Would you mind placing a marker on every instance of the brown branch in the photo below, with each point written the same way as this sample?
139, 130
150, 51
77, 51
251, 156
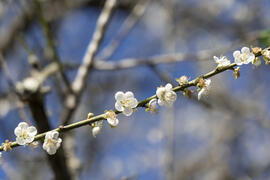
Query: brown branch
57, 161
33, 97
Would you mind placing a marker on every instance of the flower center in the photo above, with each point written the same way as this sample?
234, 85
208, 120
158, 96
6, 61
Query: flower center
111, 115
51, 142
24, 135
169, 96
125, 103
243, 57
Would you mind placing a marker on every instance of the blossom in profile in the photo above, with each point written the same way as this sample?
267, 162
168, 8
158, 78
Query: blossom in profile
111, 118
25, 134
222, 61
125, 102
204, 85
182, 80
236, 72
96, 128
6, 145
243, 57
152, 106
166, 96
266, 55
257, 62
52, 142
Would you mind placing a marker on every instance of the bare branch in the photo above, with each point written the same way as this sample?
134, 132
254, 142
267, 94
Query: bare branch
93, 46
162, 59
51, 44
129, 23
87, 62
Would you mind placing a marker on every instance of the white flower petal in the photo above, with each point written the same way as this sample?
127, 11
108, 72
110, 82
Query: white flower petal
160, 91
118, 106
119, 96
238, 62
44, 146
216, 59
96, 131
129, 94
160, 102
59, 141
23, 125
110, 121
173, 96
153, 102
17, 131
168, 87
20, 141
29, 139
32, 130
127, 111
208, 82
201, 92
250, 58
236, 54
113, 122
245, 50
51, 150
55, 134
133, 103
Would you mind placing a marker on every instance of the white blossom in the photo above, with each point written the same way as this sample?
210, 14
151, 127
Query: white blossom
51, 142
205, 88
0, 154
222, 61
266, 55
182, 80
96, 128
152, 105
111, 118
125, 102
166, 96
25, 134
6, 145
243, 57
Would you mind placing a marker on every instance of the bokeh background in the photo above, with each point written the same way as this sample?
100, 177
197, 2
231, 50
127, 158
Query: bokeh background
226, 135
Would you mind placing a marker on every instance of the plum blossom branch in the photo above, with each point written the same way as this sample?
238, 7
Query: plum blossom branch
144, 103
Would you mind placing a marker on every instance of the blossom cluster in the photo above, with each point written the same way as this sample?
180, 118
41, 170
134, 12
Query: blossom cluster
25, 135
127, 103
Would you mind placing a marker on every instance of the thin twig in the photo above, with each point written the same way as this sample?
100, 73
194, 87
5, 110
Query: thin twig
87, 62
129, 23
93, 46
203, 55
12, 87
51, 45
